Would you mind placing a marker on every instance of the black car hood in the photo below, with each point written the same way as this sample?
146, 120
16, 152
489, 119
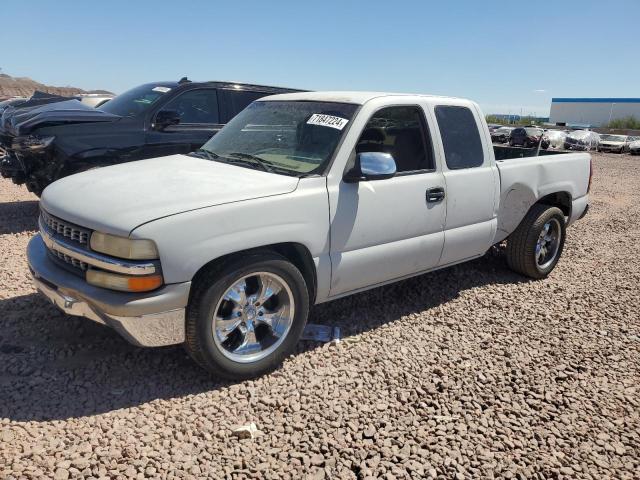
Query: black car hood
40, 112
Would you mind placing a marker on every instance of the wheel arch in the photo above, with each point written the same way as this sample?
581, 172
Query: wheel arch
562, 200
297, 253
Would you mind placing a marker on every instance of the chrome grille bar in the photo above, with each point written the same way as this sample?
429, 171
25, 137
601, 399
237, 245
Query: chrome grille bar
94, 259
66, 229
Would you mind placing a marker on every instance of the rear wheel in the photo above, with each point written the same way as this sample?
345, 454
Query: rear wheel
245, 318
534, 248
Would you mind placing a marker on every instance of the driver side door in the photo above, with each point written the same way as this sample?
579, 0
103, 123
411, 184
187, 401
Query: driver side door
387, 229
199, 121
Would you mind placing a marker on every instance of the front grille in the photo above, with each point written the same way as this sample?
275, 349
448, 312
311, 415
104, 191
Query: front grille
73, 262
66, 229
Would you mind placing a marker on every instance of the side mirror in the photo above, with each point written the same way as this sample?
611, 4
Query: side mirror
166, 118
371, 166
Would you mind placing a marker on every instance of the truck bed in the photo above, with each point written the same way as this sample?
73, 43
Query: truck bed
526, 181
505, 152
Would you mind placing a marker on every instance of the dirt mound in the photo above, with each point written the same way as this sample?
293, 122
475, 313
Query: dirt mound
24, 87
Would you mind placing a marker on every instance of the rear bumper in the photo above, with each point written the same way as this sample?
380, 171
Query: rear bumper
579, 208
149, 319
584, 213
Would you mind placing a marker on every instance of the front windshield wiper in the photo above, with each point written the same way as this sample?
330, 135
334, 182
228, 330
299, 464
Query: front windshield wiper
202, 153
255, 160
242, 158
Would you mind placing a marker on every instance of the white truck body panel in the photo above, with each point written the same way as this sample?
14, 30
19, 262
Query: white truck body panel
524, 181
359, 235
119, 198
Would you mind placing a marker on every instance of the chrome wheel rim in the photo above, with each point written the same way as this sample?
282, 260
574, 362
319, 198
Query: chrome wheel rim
548, 243
253, 317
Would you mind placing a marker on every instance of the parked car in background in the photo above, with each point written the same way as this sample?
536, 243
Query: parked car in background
554, 138
493, 127
582, 140
11, 101
613, 143
302, 198
3, 106
48, 138
525, 137
634, 147
501, 135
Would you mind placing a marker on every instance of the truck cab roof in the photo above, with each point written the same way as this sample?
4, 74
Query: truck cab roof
356, 97
224, 84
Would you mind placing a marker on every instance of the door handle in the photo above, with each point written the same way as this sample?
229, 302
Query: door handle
435, 194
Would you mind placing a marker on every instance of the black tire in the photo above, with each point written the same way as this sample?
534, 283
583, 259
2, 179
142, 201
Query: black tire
207, 292
36, 186
521, 244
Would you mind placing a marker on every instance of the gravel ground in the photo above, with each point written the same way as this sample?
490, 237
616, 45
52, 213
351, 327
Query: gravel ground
469, 372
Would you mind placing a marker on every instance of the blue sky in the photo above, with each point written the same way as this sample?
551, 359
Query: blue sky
508, 56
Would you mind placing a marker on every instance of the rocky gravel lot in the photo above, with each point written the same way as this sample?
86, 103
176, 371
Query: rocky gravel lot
470, 372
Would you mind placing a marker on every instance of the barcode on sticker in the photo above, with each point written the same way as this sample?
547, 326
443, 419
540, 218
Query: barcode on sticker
327, 121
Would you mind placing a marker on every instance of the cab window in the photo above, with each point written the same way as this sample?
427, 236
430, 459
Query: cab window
195, 106
234, 101
460, 137
401, 132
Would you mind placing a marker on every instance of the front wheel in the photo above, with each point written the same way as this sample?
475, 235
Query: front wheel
245, 318
534, 248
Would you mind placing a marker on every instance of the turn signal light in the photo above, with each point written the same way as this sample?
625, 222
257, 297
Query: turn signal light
123, 283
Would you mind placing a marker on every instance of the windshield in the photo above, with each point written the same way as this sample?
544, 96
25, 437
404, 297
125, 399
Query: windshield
291, 137
613, 138
533, 131
503, 130
135, 101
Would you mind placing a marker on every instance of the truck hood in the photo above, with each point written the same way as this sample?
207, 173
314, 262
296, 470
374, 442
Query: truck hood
27, 117
119, 198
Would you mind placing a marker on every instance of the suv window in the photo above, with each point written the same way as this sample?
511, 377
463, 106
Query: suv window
196, 106
399, 131
234, 101
460, 137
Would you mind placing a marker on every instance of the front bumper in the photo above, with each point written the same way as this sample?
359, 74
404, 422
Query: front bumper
150, 319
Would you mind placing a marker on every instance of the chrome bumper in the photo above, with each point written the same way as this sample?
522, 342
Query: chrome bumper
153, 319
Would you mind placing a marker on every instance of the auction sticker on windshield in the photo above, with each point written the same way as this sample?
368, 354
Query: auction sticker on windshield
161, 89
327, 121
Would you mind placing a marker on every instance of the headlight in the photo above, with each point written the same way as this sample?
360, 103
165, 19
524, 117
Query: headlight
123, 283
31, 142
122, 247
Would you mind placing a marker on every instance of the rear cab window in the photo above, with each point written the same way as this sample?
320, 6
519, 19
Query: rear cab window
232, 102
198, 106
460, 137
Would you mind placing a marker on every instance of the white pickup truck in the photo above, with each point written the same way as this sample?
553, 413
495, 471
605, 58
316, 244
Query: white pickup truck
302, 198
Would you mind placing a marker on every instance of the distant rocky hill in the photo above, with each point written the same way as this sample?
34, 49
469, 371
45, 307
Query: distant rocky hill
24, 87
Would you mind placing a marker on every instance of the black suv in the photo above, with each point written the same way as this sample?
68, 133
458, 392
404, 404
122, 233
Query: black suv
49, 138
